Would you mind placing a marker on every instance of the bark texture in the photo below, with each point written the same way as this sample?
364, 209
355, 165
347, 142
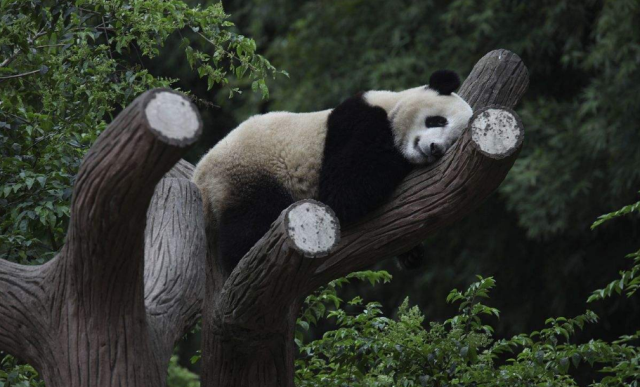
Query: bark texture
92, 316
249, 317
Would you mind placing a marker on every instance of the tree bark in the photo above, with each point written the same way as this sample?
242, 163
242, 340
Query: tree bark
249, 317
174, 261
86, 318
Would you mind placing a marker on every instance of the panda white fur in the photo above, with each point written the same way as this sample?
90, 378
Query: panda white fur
350, 158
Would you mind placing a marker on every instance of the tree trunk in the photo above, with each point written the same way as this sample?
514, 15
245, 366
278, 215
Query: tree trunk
255, 357
86, 318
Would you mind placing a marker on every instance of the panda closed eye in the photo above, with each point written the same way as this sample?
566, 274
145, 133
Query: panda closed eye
435, 122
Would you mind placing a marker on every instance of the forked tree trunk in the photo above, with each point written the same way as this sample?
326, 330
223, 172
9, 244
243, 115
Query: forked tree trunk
108, 309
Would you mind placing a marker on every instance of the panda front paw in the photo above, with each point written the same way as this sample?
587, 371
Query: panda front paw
413, 259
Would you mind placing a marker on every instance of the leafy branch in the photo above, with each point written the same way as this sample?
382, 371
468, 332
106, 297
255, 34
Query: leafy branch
368, 349
49, 117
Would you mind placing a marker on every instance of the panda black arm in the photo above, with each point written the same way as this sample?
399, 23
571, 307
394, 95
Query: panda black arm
361, 166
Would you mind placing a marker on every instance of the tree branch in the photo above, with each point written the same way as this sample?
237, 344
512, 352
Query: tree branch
499, 78
435, 196
19, 75
430, 198
249, 324
117, 178
10, 59
17, 52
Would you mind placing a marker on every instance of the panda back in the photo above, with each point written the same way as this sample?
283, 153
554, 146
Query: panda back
283, 148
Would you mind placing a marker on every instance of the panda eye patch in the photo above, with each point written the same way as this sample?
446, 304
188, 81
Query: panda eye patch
435, 122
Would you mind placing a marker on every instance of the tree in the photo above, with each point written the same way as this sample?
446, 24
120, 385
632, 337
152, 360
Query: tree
101, 302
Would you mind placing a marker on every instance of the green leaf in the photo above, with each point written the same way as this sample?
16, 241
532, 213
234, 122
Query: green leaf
575, 359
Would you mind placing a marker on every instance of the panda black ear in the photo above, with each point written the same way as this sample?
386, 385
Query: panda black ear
444, 82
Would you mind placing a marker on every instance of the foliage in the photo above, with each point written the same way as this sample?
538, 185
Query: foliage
15, 374
67, 67
314, 307
368, 349
629, 281
626, 210
178, 376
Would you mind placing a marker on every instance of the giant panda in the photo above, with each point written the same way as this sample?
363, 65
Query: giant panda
350, 158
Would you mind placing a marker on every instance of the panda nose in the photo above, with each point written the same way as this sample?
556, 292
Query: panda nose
437, 150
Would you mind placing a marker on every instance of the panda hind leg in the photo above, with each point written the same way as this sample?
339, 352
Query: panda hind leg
240, 227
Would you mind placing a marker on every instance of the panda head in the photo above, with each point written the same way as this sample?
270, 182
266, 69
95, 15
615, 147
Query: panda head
426, 121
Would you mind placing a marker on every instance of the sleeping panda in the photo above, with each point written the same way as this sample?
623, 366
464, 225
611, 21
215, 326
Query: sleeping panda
351, 158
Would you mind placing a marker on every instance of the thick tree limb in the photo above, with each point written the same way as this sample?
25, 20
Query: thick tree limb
435, 196
499, 78
86, 318
144, 135
307, 229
